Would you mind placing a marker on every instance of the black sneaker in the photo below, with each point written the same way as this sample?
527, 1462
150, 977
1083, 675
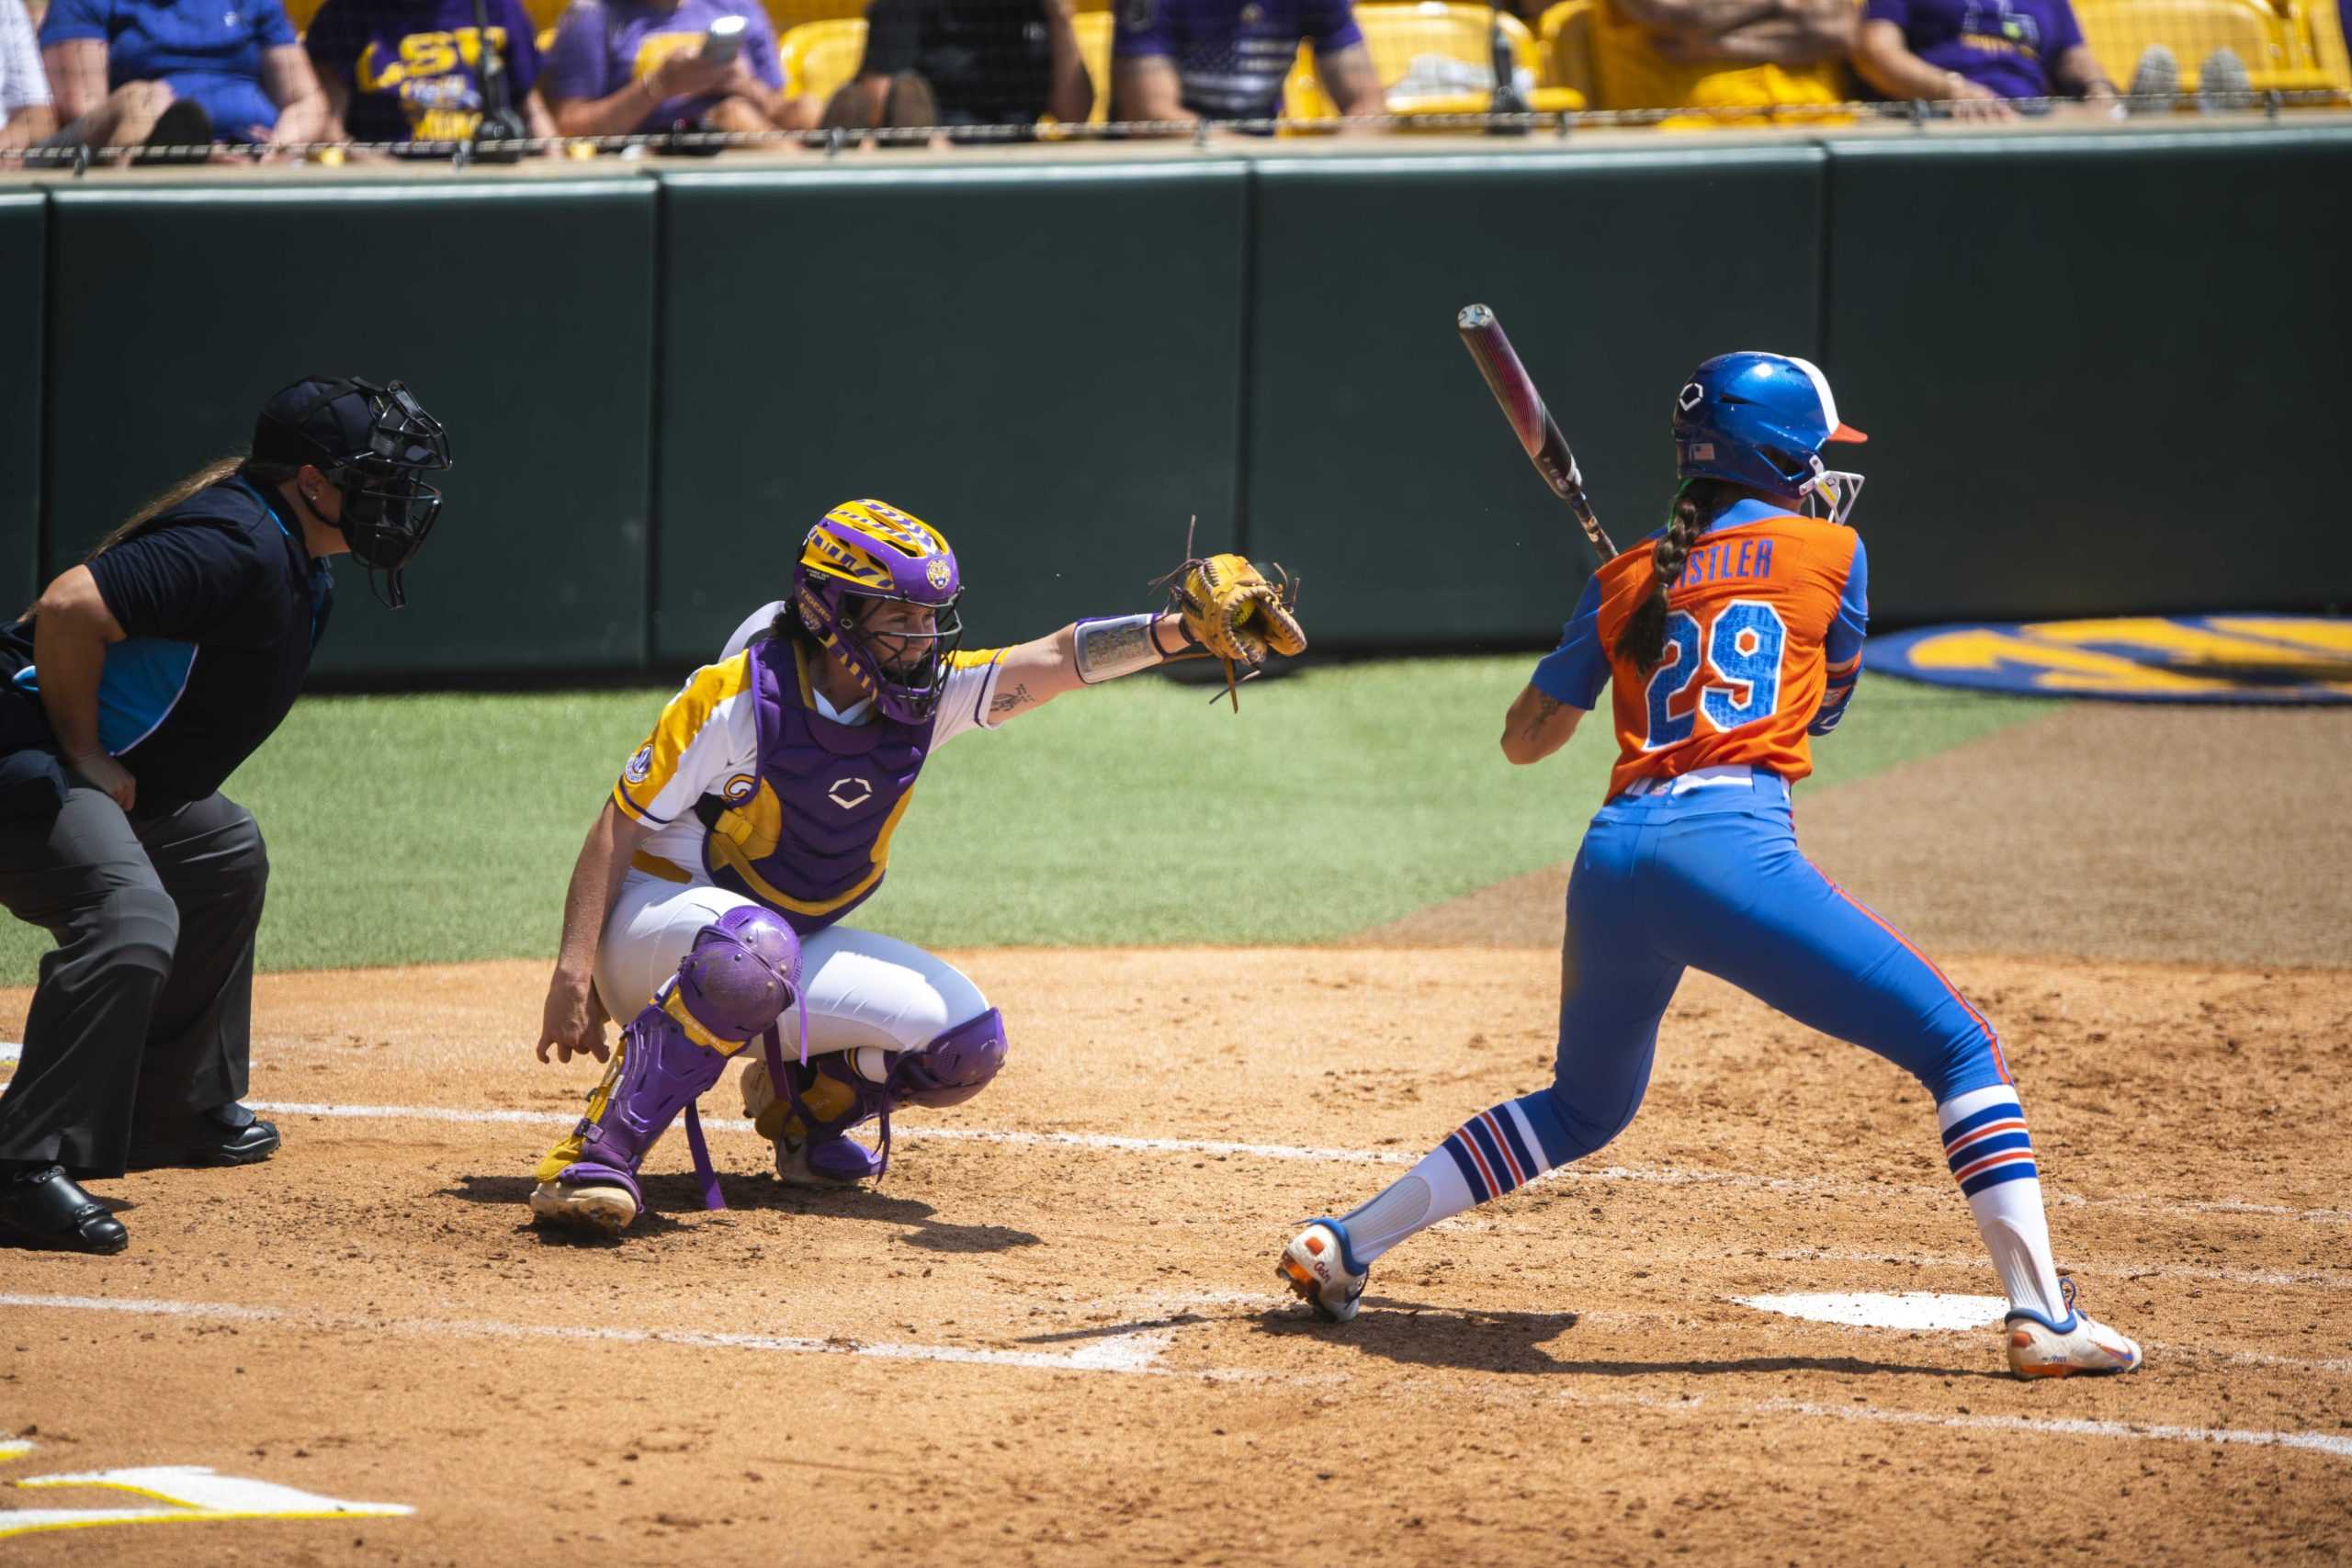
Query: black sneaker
45, 1209
228, 1136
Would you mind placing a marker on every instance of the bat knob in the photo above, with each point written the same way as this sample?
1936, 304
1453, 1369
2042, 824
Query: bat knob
1472, 318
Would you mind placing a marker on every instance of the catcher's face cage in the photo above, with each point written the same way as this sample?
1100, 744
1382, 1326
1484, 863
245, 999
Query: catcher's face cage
388, 509
906, 688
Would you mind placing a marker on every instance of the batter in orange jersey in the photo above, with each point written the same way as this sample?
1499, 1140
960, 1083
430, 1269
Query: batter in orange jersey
1726, 642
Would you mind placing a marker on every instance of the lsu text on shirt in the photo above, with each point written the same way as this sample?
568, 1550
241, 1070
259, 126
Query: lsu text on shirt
1769, 607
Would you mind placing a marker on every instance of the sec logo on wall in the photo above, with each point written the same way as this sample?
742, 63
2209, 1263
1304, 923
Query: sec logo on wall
2152, 658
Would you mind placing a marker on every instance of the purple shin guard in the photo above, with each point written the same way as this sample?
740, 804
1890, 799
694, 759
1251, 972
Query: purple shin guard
948, 1071
742, 971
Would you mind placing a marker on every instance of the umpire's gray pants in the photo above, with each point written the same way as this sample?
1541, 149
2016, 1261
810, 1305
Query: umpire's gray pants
142, 1019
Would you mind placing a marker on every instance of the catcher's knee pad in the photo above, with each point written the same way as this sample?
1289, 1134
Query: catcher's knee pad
952, 1068
740, 974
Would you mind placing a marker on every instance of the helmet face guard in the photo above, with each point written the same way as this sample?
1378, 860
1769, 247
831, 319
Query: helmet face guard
865, 554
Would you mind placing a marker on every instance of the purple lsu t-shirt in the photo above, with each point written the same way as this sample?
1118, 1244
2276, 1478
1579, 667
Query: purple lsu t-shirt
413, 66
2008, 46
1233, 54
604, 45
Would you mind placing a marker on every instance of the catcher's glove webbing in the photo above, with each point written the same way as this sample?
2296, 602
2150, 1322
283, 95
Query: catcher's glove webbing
1235, 612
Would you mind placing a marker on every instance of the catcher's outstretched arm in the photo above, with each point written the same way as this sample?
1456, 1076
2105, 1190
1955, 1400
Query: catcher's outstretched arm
1086, 653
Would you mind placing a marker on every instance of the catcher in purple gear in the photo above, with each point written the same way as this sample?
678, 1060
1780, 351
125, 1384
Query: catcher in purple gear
758, 813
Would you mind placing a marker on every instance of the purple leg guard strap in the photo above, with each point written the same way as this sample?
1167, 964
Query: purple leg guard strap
948, 1071
743, 970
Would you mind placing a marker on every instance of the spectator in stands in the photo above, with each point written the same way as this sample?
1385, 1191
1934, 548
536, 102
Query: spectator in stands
966, 63
1978, 53
626, 66
411, 70
179, 73
25, 115
1187, 60
1724, 54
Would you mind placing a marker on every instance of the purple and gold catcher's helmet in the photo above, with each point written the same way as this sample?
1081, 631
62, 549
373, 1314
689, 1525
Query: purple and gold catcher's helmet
863, 552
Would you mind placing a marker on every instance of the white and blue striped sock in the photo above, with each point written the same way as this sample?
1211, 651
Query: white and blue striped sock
1991, 1156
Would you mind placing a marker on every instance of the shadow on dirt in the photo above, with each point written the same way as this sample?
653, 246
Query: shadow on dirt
680, 1193
1516, 1342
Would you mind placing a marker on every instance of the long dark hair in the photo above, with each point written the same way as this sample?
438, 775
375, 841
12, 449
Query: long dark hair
185, 487
1695, 504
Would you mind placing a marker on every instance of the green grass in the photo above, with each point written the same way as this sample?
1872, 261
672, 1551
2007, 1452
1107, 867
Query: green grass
440, 829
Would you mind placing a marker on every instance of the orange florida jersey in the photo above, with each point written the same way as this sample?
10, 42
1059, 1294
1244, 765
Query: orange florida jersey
1763, 642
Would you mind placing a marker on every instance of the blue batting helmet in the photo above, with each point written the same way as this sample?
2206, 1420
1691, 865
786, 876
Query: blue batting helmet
1761, 420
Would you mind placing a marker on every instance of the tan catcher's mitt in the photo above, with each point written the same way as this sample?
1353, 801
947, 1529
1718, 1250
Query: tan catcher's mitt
1236, 613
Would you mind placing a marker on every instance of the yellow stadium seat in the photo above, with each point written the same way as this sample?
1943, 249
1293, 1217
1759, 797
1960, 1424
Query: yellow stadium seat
1631, 74
1094, 29
786, 14
1564, 38
2276, 55
819, 57
1398, 35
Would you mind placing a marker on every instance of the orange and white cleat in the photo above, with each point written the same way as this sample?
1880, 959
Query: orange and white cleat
2079, 1345
1319, 1266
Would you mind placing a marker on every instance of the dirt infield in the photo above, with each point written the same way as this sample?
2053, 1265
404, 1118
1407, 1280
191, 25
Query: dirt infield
1052, 1335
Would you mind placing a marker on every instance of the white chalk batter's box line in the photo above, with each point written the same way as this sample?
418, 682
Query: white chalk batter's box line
1219, 1149
1137, 1353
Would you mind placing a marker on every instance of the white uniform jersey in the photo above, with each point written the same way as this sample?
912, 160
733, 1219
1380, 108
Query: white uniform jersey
706, 740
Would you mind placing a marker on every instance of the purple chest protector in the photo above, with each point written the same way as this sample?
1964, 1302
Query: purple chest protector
810, 836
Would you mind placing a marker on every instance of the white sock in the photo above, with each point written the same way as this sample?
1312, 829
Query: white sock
1494, 1151
1990, 1154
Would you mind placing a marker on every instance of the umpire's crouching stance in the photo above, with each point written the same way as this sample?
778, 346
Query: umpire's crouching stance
137, 683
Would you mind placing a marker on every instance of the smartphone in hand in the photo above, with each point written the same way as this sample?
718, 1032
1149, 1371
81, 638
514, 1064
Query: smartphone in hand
724, 41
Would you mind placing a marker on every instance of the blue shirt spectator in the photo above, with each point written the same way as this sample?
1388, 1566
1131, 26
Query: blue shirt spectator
1187, 60
226, 69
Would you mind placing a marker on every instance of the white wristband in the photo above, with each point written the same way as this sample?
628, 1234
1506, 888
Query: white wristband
1106, 649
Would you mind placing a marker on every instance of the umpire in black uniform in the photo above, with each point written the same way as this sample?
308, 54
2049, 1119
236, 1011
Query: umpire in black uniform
134, 688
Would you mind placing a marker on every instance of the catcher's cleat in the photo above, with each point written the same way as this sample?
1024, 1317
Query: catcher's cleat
1318, 1265
605, 1207
835, 1162
2078, 1345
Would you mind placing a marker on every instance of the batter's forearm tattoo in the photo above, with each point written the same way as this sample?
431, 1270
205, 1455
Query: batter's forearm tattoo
1541, 715
1105, 650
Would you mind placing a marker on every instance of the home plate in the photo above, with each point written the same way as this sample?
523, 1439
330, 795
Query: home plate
1867, 1309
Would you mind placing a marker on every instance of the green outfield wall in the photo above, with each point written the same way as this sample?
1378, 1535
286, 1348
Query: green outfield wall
24, 229
2101, 371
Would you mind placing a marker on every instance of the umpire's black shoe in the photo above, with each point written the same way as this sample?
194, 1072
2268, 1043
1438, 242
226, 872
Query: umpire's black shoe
44, 1208
229, 1135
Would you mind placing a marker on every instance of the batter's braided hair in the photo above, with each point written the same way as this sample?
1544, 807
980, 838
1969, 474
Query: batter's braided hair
1644, 639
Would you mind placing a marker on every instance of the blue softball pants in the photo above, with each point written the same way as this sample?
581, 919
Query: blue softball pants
1710, 878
